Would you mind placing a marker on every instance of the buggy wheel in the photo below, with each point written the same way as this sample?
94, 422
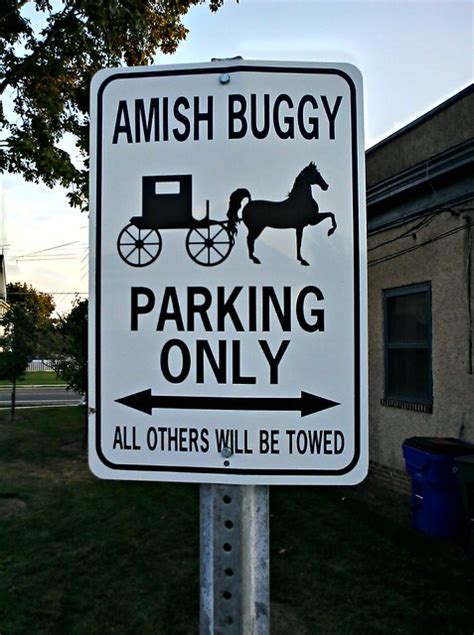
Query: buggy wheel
209, 246
139, 247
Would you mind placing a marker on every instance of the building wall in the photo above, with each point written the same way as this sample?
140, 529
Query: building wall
443, 263
444, 127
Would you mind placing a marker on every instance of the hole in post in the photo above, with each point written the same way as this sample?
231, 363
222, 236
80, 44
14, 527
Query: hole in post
227, 546
229, 572
229, 524
227, 595
229, 619
227, 499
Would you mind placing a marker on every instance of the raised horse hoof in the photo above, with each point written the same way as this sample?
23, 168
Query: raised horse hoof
332, 230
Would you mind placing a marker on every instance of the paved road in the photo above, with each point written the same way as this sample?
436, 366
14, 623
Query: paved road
40, 396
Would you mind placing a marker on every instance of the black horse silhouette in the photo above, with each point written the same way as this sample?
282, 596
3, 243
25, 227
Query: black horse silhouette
297, 211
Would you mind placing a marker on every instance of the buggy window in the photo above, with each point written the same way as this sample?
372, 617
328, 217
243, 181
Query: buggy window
167, 187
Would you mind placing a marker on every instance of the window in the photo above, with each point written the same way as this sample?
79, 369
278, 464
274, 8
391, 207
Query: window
407, 330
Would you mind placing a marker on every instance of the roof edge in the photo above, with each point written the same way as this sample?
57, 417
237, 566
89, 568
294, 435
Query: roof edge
422, 118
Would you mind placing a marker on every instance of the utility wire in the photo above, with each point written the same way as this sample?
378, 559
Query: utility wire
33, 253
408, 250
49, 258
49, 292
453, 210
424, 223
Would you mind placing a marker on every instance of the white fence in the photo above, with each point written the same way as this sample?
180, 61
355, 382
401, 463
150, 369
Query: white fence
40, 364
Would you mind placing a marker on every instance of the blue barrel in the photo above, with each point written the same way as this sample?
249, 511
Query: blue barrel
436, 500
465, 471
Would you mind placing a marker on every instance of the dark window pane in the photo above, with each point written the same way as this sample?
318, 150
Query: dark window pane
408, 317
409, 374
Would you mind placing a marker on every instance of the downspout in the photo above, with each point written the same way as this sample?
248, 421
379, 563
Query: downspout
468, 274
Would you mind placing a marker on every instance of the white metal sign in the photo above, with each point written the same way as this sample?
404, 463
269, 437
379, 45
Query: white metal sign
228, 286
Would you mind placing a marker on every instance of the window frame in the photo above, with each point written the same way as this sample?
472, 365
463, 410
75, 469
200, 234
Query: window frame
390, 397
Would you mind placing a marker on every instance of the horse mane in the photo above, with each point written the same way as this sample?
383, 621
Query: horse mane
298, 180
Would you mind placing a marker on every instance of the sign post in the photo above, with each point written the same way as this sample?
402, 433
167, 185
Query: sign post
228, 280
234, 559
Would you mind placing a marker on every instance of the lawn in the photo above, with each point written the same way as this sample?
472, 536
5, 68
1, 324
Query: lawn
36, 378
79, 555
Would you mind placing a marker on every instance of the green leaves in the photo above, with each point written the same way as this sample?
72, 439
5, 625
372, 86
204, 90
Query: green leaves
72, 364
38, 304
24, 323
17, 342
50, 72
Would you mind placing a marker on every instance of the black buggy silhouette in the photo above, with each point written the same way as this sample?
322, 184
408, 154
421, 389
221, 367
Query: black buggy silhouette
167, 204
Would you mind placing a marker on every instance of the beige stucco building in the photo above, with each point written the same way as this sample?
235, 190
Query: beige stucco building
420, 209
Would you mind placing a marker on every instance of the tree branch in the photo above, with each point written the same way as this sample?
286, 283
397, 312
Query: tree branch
20, 68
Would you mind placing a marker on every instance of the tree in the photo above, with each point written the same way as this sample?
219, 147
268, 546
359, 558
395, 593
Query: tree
16, 345
39, 306
72, 365
26, 325
50, 71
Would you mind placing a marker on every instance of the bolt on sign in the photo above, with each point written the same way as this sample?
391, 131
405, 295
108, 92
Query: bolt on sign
228, 284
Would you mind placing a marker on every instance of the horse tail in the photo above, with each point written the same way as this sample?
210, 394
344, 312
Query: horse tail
235, 201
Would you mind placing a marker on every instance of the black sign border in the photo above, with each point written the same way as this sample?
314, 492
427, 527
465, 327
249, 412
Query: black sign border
219, 69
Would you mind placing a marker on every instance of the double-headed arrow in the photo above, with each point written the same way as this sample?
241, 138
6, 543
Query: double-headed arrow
306, 403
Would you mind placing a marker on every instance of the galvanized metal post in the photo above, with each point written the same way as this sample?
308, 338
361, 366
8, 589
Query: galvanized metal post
255, 560
234, 560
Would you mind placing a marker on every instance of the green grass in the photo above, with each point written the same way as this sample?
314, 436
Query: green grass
90, 556
38, 378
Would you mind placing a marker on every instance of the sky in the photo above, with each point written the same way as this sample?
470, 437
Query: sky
412, 55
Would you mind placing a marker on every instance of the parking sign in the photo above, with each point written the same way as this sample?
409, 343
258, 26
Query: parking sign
228, 285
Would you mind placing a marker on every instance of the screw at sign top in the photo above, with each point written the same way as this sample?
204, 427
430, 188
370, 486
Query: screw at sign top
224, 78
